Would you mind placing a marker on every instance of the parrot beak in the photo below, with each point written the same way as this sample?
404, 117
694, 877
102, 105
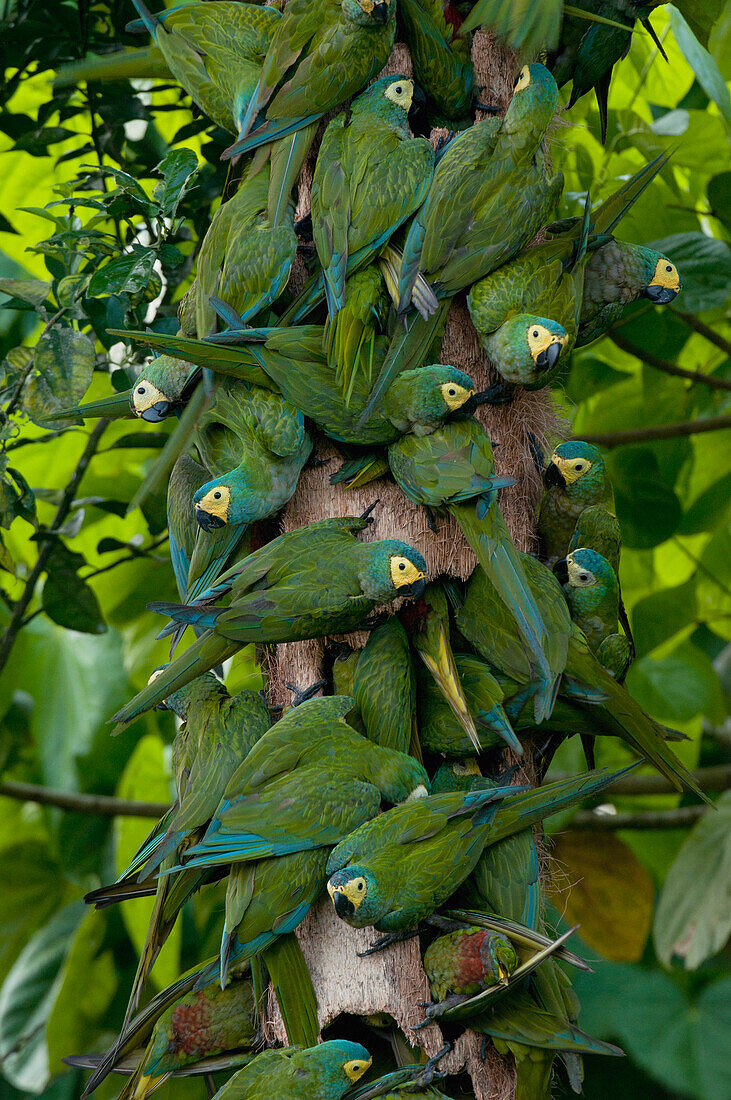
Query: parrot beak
343, 905
561, 571
156, 413
660, 295
380, 12
553, 476
548, 358
504, 976
418, 121
413, 591
207, 521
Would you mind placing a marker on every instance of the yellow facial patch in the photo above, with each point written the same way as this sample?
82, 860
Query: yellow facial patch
355, 890
145, 395
156, 673
404, 572
523, 80
579, 577
216, 502
539, 338
366, 5
401, 92
571, 468
454, 395
666, 275
354, 1070
468, 767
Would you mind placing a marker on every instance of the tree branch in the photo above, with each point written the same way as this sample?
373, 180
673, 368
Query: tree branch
710, 779
101, 805
668, 368
659, 431
20, 608
705, 331
660, 819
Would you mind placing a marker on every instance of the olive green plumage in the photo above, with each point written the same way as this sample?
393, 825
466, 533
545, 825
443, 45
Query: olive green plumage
592, 593
350, 340
439, 730
161, 389
575, 478
441, 60
453, 468
599, 529
384, 686
323, 1072
310, 582
615, 277
523, 24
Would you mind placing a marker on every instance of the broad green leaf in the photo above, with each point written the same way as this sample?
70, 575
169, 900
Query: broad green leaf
27, 998
177, 168
719, 197
88, 983
67, 598
710, 509
647, 508
714, 587
693, 919
701, 16
609, 894
659, 617
34, 291
146, 777
702, 63
127, 274
677, 687
34, 891
63, 365
704, 264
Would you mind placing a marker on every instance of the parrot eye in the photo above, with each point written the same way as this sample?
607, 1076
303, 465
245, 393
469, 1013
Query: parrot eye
536, 333
454, 396
668, 267
216, 496
142, 390
400, 91
583, 577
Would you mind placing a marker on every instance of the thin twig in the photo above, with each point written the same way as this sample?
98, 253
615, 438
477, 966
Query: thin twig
655, 819
705, 331
135, 555
100, 804
710, 779
669, 368
659, 431
20, 608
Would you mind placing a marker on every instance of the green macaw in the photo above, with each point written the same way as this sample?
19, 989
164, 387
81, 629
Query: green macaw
307, 583
599, 529
272, 445
441, 60
489, 196
439, 730
618, 275
371, 175
592, 593
215, 51
453, 468
218, 733
322, 53
292, 360
587, 681
384, 686
322, 1072
398, 868
246, 256
467, 961
575, 478
163, 387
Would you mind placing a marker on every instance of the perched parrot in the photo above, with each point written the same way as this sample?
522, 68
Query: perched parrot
371, 175
384, 686
575, 479
398, 868
467, 961
439, 730
322, 1072
618, 275
273, 447
441, 60
322, 53
293, 361
489, 196
308, 583
592, 592
599, 529
453, 468
162, 388
588, 682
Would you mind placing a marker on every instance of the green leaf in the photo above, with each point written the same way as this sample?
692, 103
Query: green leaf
703, 65
660, 616
67, 598
127, 274
63, 364
701, 16
647, 508
35, 891
34, 291
177, 168
87, 985
710, 508
719, 197
677, 687
693, 918
704, 264
713, 592
27, 998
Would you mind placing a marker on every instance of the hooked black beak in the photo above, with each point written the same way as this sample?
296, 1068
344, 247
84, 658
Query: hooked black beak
549, 356
413, 591
418, 120
156, 413
660, 295
561, 571
380, 12
343, 905
207, 521
553, 476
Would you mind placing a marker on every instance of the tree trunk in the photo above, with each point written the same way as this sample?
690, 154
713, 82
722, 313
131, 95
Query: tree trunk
393, 981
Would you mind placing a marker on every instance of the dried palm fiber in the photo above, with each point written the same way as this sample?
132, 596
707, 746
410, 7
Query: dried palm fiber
393, 981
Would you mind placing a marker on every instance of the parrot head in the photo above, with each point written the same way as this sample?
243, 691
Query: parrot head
664, 284
222, 500
526, 349
587, 577
576, 467
421, 400
207, 686
395, 99
535, 98
455, 775
369, 13
338, 1058
148, 402
162, 386
393, 568
355, 895
499, 957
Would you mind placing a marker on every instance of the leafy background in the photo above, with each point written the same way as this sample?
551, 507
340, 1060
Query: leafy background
104, 195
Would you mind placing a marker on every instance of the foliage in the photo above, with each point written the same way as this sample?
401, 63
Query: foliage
107, 191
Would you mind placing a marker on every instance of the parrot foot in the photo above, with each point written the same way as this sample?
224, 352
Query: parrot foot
431, 520
442, 143
317, 463
434, 1011
483, 1049
499, 393
488, 108
301, 696
445, 924
303, 228
429, 1071
386, 941
367, 514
